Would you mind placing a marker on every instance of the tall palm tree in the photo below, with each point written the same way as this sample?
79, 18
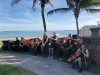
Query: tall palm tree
42, 3
77, 6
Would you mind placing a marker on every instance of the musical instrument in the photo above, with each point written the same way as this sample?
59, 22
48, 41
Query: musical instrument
74, 56
61, 46
57, 42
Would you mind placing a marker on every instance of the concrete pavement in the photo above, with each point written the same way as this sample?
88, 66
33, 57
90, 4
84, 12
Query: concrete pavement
40, 65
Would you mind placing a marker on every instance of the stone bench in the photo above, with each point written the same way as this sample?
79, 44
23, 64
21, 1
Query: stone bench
5, 45
95, 54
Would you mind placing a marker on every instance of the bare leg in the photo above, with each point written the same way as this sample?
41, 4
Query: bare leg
75, 61
42, 48
49, 51
79, 62
80, 65
52, 51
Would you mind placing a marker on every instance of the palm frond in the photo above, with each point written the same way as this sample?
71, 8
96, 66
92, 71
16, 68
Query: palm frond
70, 3
13, 2
93, 11
83, 3
61, 10
34, 4
50, 3
89, 3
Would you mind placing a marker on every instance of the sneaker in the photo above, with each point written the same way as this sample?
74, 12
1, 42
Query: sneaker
80, 70
51, 57
73, 67
60, 59
65, 63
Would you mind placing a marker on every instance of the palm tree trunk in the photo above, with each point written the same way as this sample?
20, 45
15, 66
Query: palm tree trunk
43, 19
77, 27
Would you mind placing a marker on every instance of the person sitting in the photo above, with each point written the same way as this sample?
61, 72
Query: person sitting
22, 44
44, 42
68, 37
68, 51
15, 45
52, 46
82, 58
31, 43
31, 46
64, 42
36, 46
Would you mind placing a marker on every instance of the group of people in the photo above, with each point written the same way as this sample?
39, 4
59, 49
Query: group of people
52, 42
16, 44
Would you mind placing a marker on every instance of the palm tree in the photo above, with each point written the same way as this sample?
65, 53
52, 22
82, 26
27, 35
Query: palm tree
77, 6
42, 3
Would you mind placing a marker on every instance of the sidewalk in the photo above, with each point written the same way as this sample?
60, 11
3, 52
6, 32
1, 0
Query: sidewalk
39, 65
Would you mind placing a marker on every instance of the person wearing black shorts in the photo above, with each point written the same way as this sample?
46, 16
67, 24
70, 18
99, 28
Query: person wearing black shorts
52, 46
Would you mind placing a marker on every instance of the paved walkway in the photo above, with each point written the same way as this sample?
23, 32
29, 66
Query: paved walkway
39, 65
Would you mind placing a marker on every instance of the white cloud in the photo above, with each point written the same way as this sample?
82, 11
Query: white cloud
20, 20
59, 26
27, 13
15, 27
39, 26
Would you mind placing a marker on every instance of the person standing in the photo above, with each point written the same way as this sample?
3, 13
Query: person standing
44, 42
52, 46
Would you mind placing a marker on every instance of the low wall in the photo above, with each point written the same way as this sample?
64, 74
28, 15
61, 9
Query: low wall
94, 52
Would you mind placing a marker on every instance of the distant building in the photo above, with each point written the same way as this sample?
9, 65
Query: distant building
85, 30
98, 23
89, 26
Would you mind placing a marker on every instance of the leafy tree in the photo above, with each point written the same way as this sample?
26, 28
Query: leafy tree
77, 6
42, 4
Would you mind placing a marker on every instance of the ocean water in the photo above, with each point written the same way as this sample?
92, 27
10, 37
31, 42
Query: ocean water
13, 34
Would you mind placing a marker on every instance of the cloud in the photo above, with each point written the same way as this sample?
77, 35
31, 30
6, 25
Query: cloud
20, 20
39, 26
19, 27
27, 13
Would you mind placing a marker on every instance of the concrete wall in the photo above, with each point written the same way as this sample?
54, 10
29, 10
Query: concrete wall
84, 32
95, 32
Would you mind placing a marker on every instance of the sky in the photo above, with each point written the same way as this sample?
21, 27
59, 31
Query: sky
21, 17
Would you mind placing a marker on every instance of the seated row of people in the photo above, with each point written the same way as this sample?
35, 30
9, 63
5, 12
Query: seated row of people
35, 45
22, 44
67, 47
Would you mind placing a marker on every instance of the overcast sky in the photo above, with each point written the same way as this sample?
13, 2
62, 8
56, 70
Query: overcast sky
22, 17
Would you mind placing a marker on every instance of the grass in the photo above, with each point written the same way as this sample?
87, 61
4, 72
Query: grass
1, 43
13, 70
